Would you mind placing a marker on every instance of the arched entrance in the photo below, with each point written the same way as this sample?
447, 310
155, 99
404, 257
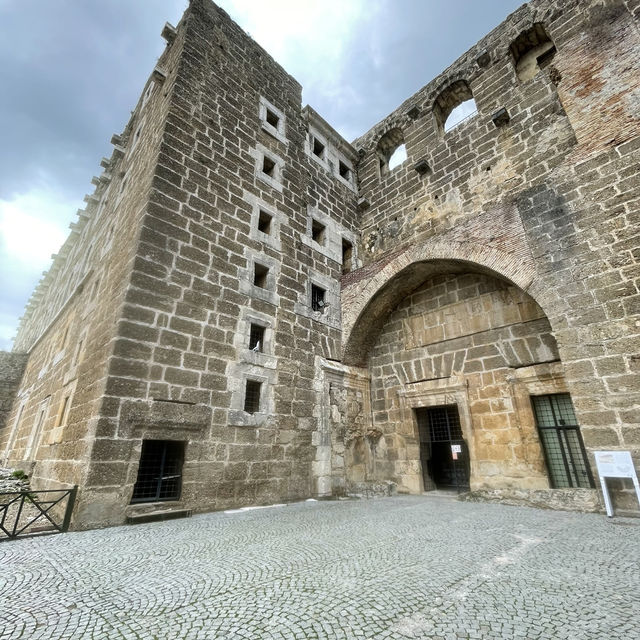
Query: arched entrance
454, 353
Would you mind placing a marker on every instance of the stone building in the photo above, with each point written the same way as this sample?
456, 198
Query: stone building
251, 309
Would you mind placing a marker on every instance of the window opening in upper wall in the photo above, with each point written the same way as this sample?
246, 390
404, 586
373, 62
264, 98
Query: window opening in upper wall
398, 157
344, 170
317, 231
391, 145
252, 396
454, 106
260, 273
272, 118
264, 222
347, 255
268, 166
256, 337
318, 298
532, 50
318, 149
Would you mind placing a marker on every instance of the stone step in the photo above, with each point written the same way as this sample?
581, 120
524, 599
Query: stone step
156, 516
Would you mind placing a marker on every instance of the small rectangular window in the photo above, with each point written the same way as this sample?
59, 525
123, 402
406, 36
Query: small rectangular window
318, 148
256, 337
318, 298
317, 231
268, 166
160, 471
252, 396
344, 170
272, 118
260, 273
347, 256
64, 411
264, 222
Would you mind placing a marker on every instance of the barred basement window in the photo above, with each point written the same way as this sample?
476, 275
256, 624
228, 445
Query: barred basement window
260, 273
317, 298
264, 222
256, 337
252, 396
160, 471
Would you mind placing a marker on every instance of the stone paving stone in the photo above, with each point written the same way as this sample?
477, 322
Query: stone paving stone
396, 568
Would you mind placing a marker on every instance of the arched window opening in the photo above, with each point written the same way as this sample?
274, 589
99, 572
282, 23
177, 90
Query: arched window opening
391, 150
454, 106
532, 50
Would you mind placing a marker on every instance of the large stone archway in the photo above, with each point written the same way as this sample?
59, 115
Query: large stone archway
497, 247
429, 329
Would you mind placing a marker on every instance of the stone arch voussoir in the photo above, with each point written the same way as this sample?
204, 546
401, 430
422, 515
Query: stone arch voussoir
368, 300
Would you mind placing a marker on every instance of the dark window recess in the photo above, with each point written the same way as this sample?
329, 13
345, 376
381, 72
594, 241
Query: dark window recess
260, 273
160, 471
268, 166
344, 171
347, 256
317, 231
264, 222
256, 337
252, 396
272, 119
318, 148
317, 298
561, 441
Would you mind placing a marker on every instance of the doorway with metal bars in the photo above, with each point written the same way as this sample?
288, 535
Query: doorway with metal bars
444, 454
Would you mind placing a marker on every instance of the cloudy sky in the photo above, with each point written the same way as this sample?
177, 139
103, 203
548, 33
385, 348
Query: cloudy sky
72, 70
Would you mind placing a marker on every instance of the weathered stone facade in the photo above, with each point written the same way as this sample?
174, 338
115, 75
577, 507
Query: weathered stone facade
280, 304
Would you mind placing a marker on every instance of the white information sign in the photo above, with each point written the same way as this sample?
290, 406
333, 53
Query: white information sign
456, 448
615, 464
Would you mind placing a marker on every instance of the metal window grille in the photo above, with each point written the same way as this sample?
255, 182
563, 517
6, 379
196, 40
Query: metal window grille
160, 471
317, 298
444, 423
252, 396
256, 337
561, 441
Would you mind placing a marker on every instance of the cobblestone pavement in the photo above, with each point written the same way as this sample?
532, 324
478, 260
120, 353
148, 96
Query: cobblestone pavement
406, 567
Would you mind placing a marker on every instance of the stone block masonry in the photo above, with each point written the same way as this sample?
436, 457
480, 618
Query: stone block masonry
251, 310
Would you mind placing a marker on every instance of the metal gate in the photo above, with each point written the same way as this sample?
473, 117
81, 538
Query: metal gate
25, 513
439, 428
562, 442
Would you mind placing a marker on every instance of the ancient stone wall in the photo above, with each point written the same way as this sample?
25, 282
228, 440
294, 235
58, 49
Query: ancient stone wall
246, 283
11, 369
235, 147
538, 187
70, 321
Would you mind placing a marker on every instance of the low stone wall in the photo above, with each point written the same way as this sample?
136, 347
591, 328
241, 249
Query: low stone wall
586, 500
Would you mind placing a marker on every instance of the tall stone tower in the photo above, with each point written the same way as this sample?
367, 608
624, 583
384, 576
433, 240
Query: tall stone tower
250, 309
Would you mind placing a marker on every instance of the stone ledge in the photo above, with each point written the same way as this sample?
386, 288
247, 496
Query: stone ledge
157, 516
585, 500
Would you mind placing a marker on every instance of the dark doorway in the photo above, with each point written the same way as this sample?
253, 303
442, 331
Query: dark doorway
443, 452
160, 471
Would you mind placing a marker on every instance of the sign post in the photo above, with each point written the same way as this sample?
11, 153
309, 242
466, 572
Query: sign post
615, 464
